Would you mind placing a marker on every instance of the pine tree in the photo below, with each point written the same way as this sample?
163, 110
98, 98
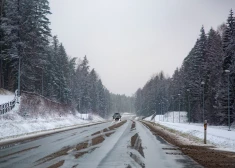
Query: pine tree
107, 103
93, 81
101, 105
214, 59
9, 43
228, 43
228, 64
83, 86
194, 73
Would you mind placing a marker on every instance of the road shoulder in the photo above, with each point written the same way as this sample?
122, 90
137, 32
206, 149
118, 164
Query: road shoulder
38, 134
206, 155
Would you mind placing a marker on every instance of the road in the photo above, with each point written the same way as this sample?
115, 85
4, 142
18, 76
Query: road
126, 144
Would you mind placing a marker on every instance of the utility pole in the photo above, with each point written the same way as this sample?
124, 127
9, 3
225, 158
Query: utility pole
228, 71
42, 82
160, 110
179, 107
18, 48
189, 115
203, 117
173, 108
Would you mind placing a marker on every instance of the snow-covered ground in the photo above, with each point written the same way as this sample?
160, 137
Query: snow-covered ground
13, 125
6, 98
216, 135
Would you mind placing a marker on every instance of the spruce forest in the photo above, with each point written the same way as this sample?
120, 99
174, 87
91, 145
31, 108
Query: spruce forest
204, 84
27, 46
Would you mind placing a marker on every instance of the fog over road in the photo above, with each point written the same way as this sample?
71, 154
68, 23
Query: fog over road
125, 144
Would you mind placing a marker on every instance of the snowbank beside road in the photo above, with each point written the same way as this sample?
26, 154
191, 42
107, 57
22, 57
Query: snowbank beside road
216, 135
36, 114
6, 96
12, 124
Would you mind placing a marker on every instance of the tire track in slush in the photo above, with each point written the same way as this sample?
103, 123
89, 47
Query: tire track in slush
112, 153
72, 153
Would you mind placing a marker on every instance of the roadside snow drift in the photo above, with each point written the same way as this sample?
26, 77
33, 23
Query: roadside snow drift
12, 124
216, 135
37, 114
6, 96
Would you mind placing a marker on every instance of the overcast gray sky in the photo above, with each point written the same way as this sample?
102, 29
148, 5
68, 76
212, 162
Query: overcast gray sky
127, 41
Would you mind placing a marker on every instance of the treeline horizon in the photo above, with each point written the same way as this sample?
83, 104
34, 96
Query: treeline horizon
204, 85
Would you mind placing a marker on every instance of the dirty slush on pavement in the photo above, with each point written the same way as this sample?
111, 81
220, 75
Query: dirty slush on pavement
134, 148
80, 149
125, 144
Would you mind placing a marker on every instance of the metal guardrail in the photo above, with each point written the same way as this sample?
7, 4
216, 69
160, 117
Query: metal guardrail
6, 107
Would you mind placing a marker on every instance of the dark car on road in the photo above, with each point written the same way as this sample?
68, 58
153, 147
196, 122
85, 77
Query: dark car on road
117, 117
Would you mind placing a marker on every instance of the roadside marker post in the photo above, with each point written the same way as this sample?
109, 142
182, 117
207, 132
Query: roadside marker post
205, 130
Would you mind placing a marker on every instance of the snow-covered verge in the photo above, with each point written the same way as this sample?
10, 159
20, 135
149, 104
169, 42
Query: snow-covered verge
12, 124
37, 114
218, 136
6, 96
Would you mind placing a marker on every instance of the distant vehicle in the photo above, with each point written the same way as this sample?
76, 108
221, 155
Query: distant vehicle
117, 117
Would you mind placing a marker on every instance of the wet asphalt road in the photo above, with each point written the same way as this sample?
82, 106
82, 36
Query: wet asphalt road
114, 151
25, 154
